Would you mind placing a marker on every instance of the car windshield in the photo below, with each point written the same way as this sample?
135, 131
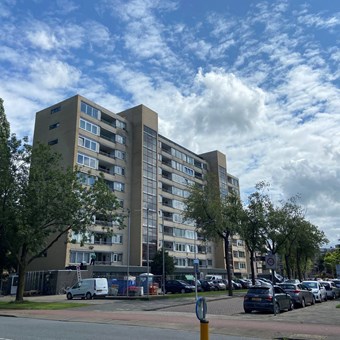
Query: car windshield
311, 284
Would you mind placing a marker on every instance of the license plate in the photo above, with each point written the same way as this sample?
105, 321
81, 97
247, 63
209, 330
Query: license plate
256, 299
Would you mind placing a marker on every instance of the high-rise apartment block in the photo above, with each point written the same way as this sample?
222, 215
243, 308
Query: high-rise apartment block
149, 174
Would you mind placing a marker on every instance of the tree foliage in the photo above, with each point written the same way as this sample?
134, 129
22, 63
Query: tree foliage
157, 263
216, 216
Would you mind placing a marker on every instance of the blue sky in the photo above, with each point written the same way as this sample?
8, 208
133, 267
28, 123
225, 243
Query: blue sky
257, 80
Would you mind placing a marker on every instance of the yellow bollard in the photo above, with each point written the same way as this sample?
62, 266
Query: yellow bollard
204, 329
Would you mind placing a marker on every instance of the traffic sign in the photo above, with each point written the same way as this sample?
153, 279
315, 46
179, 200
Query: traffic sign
270, 261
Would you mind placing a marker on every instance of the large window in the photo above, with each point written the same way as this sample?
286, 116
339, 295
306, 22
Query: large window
90, 110
86, 179
87, 161
87, 126
79, 257
88, 143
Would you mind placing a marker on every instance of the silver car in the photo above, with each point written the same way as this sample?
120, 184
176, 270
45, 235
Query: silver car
318, 290
300, 294
330, 289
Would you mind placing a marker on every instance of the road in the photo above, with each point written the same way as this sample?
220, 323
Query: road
225, 316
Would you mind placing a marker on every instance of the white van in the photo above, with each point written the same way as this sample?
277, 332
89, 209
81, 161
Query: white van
88, 289
213, 277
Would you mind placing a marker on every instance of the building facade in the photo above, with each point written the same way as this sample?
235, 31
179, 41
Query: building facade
148, 173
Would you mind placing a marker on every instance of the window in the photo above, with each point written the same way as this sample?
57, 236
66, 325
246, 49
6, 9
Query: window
180, 247
119, 154
90, 110
180, 262
117, 257
179, 232
53, 142
87, 126
119, 170
79, 257
86, 179
53, 126
88, 143
56, 109
120, 139
87, 161
118, 239
118, 186
120, 124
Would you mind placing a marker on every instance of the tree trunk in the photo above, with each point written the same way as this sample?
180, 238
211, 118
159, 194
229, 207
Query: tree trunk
288, 270
252, 266
298, 267
21, 275
227, 261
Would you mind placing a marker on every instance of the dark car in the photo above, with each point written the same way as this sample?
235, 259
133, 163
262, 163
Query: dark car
207, 286
261, 298
178, 286
192, 283
245, 284
300, 293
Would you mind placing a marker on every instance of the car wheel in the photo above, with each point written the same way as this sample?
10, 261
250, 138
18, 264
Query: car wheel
291, 305
303, 303
326, 298
313, 300
277, 308
247, 311
88, 296
182, 291
69, 296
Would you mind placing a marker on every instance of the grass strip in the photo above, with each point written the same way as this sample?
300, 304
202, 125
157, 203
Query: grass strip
30, 305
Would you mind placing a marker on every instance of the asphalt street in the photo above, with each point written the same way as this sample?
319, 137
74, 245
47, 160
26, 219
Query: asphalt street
225, 315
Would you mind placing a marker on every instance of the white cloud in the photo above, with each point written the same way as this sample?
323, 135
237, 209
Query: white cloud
54, 74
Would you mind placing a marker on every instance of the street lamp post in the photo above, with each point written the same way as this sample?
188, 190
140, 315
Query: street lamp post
163, 256
128, 253
147, 252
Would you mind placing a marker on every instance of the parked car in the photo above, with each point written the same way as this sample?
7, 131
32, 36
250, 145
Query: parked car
178, 286
292, 281
336, 287
192, 283
244, 283
207, 286
219, 284
260, 282
330, 289
261, 298
319, 291
236, 285
88, 288
301, 294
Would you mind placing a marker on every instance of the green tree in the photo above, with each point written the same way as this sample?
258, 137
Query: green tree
331, 259
252, 225
8, 189
42, 201
157, 264
217, 217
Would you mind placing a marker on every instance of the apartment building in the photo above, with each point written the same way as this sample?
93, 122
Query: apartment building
148, 173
